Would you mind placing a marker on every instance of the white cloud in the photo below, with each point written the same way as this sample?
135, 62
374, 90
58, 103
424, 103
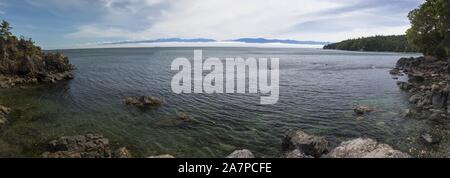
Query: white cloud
227, 19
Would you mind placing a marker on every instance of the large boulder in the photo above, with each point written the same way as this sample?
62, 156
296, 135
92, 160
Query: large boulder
308, 144
143, 101
241, 154
80, 146
365, 148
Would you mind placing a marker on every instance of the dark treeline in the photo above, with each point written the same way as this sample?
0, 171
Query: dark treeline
394, 43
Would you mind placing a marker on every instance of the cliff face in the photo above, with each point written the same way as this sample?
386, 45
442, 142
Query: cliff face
23, 62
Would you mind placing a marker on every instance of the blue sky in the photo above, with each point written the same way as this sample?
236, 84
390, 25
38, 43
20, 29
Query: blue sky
63, 23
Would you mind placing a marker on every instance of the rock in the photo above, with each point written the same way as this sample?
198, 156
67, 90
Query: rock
439, 99
395, 71
162, 156
416, 77
241, 154
295, 154
143, 101
360, 110
365, 148
430, 139
415, 98
122, 153
4, 112
80, 146
184, 117
404, 85
308, 144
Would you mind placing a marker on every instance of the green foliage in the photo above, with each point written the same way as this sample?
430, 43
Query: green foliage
430, 30
393, 43
5, 30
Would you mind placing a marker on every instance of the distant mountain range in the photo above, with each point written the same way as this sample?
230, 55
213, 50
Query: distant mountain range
166, 40
242, 40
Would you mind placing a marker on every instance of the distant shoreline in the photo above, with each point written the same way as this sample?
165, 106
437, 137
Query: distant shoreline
192, 44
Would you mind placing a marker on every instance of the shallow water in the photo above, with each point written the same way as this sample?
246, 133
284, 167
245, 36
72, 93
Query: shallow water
318, 90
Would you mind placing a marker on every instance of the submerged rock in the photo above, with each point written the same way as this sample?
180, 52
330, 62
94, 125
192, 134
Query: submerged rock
241, 154
308, 144
184, 117
365, 148
360, 110
430, 139
80, 146
143, 101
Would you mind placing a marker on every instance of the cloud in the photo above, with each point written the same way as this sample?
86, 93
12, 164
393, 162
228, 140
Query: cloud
324, 20
227, 19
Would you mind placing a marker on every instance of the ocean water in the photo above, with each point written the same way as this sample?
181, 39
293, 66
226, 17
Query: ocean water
318, 90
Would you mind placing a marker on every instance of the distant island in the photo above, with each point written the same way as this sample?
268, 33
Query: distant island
263, 40
393, 43
205, 40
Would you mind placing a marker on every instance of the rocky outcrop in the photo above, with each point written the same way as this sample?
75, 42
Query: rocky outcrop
80, 146
241, 154
427, 85
4, 112
22, 62
365, 148
361, 110
309, 145
298, 144
35, 67
143, 101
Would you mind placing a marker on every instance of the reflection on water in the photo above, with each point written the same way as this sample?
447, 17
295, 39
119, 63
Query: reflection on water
318, 90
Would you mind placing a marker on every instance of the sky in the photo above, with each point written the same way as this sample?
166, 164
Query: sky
63, 23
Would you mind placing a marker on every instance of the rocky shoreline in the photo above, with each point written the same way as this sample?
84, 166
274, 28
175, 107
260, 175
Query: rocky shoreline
427, 85
295, 144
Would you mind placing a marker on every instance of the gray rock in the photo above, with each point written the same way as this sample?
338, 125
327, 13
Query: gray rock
241, 154
416, 77
395, 71
4, 112
122, 153
404, 85
308, 144
80, 146
365, 148
162, 156
415, 98
295, 154
361, 110
143, 101
439, 99
430, 139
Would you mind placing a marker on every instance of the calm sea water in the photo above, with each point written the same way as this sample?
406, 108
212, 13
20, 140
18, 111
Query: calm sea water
318, 90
